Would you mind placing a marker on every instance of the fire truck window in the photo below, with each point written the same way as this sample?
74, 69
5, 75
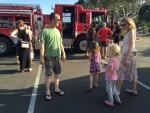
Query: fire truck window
82, 17
6, 22
67, 17
25, 19
39, 19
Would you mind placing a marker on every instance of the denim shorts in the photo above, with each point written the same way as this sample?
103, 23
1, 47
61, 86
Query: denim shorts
52, 65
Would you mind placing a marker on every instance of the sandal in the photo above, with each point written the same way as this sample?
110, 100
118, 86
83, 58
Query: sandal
131, 92
48, 97
61, 93
95, 86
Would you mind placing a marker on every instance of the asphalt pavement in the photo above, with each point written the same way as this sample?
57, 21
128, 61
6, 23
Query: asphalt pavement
25, 92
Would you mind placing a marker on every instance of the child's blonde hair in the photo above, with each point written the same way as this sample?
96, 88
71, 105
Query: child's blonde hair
114, 49
28, 27
95, 47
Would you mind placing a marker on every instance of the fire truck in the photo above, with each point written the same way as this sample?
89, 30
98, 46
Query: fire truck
75, 20
9, 16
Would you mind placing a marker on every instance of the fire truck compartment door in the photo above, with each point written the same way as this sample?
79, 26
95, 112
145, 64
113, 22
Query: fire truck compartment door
38, 24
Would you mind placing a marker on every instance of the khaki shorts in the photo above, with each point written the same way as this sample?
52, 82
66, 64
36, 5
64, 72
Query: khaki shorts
52, 65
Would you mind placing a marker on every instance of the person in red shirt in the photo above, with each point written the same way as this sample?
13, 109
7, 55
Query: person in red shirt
103, 34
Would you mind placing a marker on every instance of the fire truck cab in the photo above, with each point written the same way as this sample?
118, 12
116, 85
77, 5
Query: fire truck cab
75, 22
9, 16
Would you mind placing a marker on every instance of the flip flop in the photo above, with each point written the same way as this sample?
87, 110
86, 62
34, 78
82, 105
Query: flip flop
131, 92
48, 97
61, 93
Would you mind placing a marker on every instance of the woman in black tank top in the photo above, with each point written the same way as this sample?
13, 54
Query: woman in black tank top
24, 53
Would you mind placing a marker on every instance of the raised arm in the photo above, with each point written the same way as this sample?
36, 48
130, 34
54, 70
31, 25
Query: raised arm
13, 35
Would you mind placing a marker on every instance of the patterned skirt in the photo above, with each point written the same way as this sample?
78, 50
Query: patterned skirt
94, 67
128, 72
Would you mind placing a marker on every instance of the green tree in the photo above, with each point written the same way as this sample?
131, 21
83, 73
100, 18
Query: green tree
121, 8
144, 13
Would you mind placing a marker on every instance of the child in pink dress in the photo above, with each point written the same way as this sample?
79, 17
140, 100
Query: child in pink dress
111, 75
94, 65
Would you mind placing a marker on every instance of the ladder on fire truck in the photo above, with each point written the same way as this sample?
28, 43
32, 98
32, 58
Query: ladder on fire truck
19, 8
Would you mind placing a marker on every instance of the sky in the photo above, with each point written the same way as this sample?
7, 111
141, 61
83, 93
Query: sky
45, 4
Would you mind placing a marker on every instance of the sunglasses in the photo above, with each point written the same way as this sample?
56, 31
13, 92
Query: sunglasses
122, 24
57, 19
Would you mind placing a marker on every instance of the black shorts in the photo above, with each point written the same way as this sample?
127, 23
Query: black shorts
52, 65
116, 39
88, 45
103, 44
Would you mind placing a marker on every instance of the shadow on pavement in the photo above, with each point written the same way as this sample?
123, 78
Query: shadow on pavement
144, 75
78, 100
145, 53
8, 64
15, 101
5, 72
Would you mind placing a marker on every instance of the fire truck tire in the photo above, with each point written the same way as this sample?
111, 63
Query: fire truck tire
6, 46
80, 45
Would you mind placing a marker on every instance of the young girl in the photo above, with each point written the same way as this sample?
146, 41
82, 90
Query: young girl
94, 65
111, 75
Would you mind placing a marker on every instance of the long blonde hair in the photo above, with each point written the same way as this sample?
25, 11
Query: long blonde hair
130, 22
95, 47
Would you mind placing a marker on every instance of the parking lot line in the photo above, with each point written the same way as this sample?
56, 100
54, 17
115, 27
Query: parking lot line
34, 92
145, 86
142, 84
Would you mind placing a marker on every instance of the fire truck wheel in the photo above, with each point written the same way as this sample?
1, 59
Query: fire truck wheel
80, 45
6, 47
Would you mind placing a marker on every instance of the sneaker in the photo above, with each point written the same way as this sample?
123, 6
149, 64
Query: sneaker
108, 103
30, 69
105, 57
16, 62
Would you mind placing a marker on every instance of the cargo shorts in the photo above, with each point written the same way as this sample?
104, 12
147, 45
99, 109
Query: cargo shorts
52, 65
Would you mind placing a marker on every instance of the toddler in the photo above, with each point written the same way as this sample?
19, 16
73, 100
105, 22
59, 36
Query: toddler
111, 75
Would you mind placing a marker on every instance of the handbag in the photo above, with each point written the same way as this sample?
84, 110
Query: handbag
24, 44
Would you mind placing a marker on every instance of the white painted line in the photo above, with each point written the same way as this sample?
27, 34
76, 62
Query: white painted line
34, 92
145, 86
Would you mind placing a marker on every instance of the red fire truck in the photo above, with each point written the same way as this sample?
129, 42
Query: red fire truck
9, 16
75, 21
